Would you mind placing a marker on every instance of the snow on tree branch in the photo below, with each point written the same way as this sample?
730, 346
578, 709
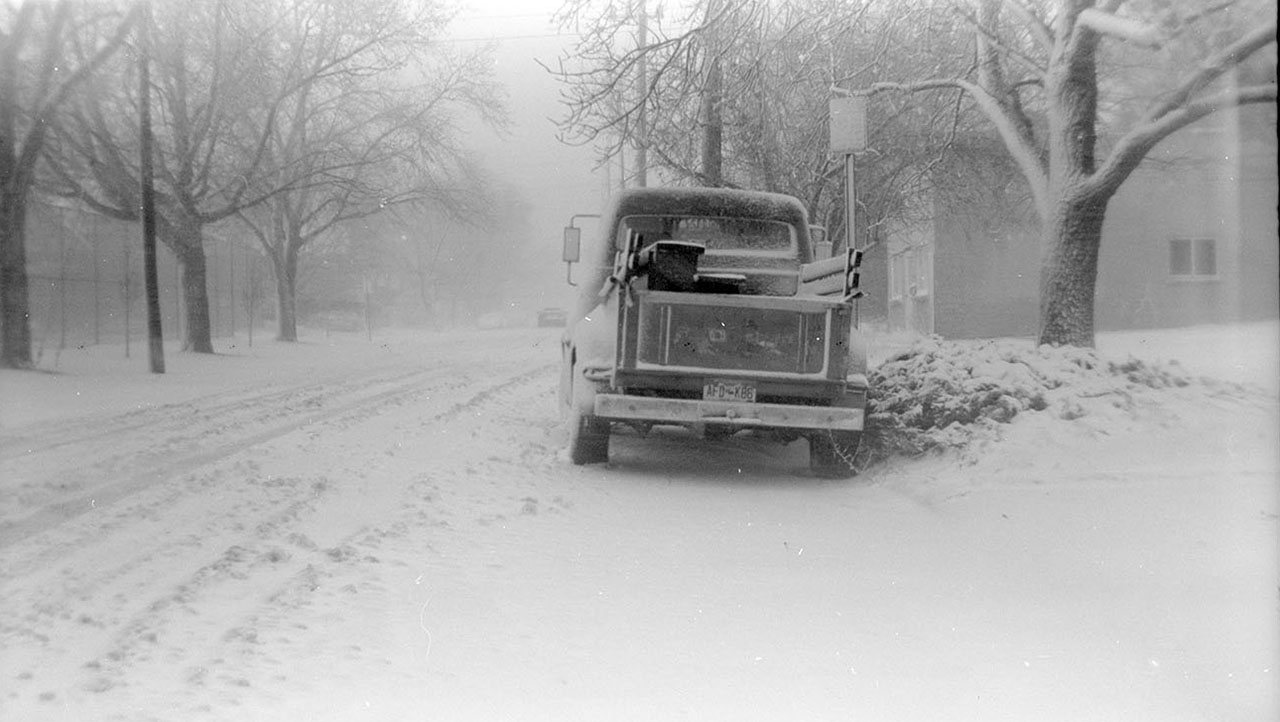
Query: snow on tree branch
1035, 25
993, 45
1128, 29
1213, 68
1182, 106
1028, 158
1131, 149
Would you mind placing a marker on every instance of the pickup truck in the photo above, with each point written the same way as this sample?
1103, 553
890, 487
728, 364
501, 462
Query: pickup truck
706, 308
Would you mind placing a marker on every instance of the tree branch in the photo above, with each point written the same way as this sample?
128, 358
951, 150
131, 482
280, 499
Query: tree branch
1213, 68
1039, 30
1127, 29
1029, 160
1134, 146
53, 97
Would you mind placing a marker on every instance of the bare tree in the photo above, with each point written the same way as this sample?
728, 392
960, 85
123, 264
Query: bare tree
1039, 79
785, 73
217, 101
358, 139
36, 76
224, 73
754, 79
636, 79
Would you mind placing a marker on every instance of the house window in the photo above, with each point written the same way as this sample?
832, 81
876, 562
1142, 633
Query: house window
1193, 258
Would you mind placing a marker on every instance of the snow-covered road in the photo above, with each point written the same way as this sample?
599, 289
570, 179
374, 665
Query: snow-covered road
390, 531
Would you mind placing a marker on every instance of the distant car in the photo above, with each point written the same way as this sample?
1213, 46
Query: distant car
552, 317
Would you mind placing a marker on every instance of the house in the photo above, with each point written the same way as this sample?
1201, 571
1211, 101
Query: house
1190, 238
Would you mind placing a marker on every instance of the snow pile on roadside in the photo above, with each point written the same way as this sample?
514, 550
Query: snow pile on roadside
946, 394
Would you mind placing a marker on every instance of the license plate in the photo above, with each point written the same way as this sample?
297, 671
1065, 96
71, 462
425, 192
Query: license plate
729, 391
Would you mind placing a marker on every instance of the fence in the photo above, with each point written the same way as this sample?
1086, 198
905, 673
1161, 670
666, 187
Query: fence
86, 284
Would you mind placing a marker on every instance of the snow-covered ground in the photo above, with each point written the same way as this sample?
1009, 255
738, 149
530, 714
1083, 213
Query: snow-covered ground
346, 530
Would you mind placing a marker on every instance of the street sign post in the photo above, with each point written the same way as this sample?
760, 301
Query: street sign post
848, 124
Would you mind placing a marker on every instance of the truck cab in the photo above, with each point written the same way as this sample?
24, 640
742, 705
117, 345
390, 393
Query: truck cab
706, 308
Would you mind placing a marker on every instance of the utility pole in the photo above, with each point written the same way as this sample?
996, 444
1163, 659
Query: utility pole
154, 330
368, 312
622, 165
128, 298
642, 124
712, 122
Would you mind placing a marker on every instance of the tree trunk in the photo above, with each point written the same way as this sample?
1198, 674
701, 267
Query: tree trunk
285, 265
15, 303
1073, 230
195, 297
1069, 272
184, 235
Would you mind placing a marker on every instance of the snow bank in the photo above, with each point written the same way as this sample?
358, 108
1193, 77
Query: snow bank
945, 394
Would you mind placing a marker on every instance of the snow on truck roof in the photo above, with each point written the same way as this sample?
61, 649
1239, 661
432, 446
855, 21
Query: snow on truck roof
724, 202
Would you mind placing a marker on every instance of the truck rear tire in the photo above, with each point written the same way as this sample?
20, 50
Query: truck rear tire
831, 453
588, 439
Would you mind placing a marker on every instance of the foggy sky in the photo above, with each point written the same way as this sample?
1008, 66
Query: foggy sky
555, 179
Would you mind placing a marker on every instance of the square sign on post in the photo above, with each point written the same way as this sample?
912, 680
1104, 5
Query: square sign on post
848, 124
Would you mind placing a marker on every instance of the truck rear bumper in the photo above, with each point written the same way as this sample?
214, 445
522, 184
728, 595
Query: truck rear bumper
687, 411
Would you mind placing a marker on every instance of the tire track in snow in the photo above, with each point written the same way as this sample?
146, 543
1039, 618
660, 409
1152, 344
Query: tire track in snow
74, 605
175, 431
163, 605
71, 573
186, 416
373, 583
159, 638
405, 387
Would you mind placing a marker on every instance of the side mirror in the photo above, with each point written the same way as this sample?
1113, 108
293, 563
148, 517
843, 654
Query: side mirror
572, 245
571, 251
